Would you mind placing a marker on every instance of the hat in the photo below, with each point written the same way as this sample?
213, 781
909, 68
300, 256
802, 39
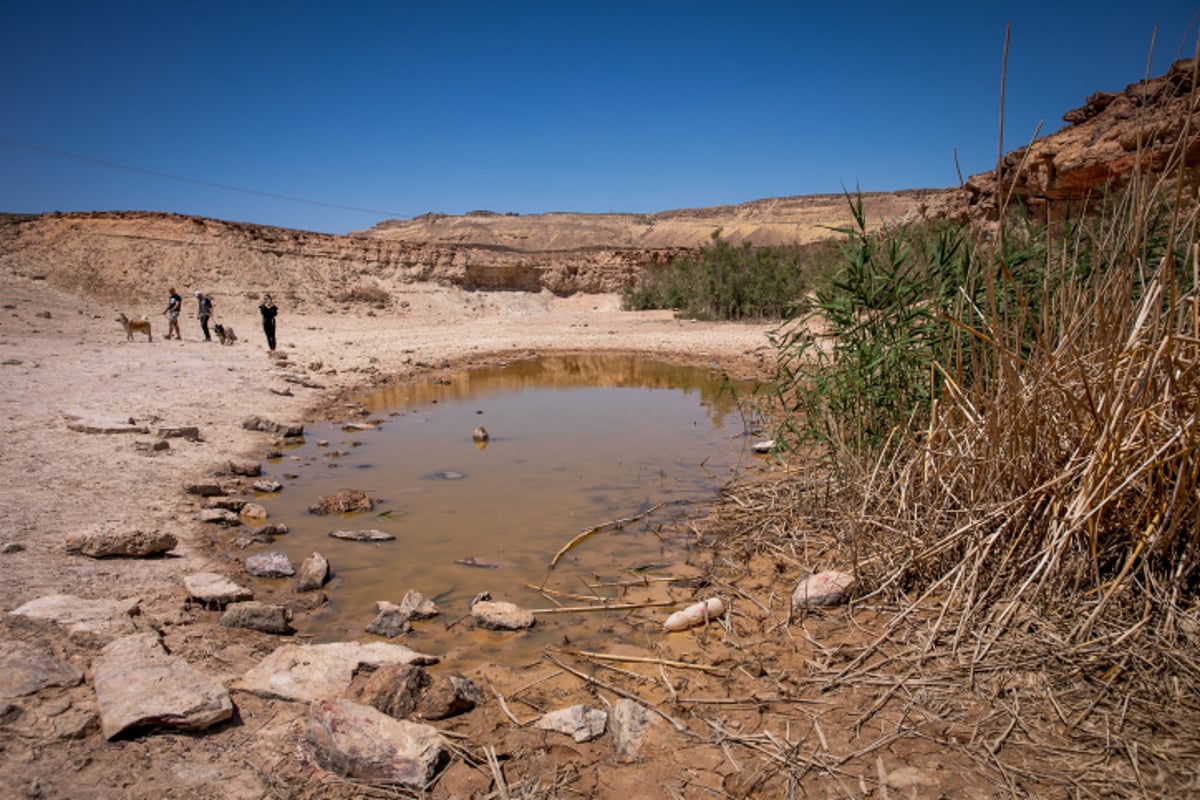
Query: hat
196, 294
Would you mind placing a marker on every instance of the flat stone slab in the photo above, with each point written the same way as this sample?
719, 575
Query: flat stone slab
321, 671
582, 723
270, 565
139, 685
212, 589
500, 615
364, 744
82, 425
363, 536
26, 669
86, 621
121, 544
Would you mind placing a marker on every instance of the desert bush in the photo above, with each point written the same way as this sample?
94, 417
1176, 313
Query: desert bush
729, 282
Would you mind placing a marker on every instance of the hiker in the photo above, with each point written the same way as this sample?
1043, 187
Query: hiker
268, 311
204, 311
174, 306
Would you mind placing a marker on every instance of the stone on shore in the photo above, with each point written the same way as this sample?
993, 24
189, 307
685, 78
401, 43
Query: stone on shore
139, 685
369, 535
582, 722
88, 622
390, 620
628, 724
270, 565
829, 588
314, 573
121, 544
214, 590
265, 617
220, 516
364, 744
253, 512
267, 426
319, 671
27, 668
500, 615
347, 501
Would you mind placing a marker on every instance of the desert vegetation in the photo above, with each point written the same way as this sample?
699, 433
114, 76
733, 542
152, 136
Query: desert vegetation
1007, 423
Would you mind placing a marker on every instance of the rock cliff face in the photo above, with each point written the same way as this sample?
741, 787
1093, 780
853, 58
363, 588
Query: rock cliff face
139, 255
1151, 129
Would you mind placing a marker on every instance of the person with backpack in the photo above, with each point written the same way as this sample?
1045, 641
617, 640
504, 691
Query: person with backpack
204, 311
174, 306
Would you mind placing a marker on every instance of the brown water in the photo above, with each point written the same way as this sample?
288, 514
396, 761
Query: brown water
575, 442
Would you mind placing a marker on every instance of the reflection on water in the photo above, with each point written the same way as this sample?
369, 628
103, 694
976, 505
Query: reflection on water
573, 443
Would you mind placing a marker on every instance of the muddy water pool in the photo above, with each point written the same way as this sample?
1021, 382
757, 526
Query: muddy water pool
575, 442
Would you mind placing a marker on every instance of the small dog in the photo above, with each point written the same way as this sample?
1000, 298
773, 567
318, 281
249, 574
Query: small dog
131, 325
225, 333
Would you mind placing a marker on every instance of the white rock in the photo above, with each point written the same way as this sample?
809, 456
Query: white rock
829, 588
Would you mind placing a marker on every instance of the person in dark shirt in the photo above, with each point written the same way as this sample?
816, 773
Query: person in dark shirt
268, 311
204, 311
174, 306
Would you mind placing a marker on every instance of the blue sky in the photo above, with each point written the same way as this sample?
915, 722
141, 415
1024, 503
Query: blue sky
333, 117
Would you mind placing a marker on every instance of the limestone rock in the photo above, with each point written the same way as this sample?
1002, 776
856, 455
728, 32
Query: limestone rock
212, 589
121, 544
364, 744
90, 622
829, 588
314, 573
220, 516
447, 696
369, 535
80, 425
394, 689
318, 671
390, 620
267, 487
265, 617
267, 426
247, 469
26, 668
418, 605
501, 616
582, 722
269, 565
139, 685
628, 722
204, 489
347, 501
253, 512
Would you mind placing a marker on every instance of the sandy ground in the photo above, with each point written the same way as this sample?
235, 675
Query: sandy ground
64, 357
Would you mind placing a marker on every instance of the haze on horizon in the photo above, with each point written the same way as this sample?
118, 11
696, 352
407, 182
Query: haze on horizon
333, 119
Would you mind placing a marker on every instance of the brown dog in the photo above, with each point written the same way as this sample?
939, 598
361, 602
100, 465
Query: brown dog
131, 325
225, 333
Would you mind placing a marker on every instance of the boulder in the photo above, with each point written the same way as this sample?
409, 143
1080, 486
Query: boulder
253, 512
394, 689
364, 744
269, 565
347, 501
220, 516
314, 672
582, 722
267, 426
265, 617
120, 544
267, 487
390, 620
314, 573
249, 469
138, 685
89, 622
501, 616
829, 588
447, 696
213, 590
27, 668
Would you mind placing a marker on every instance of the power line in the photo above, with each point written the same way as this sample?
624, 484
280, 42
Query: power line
16, 143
